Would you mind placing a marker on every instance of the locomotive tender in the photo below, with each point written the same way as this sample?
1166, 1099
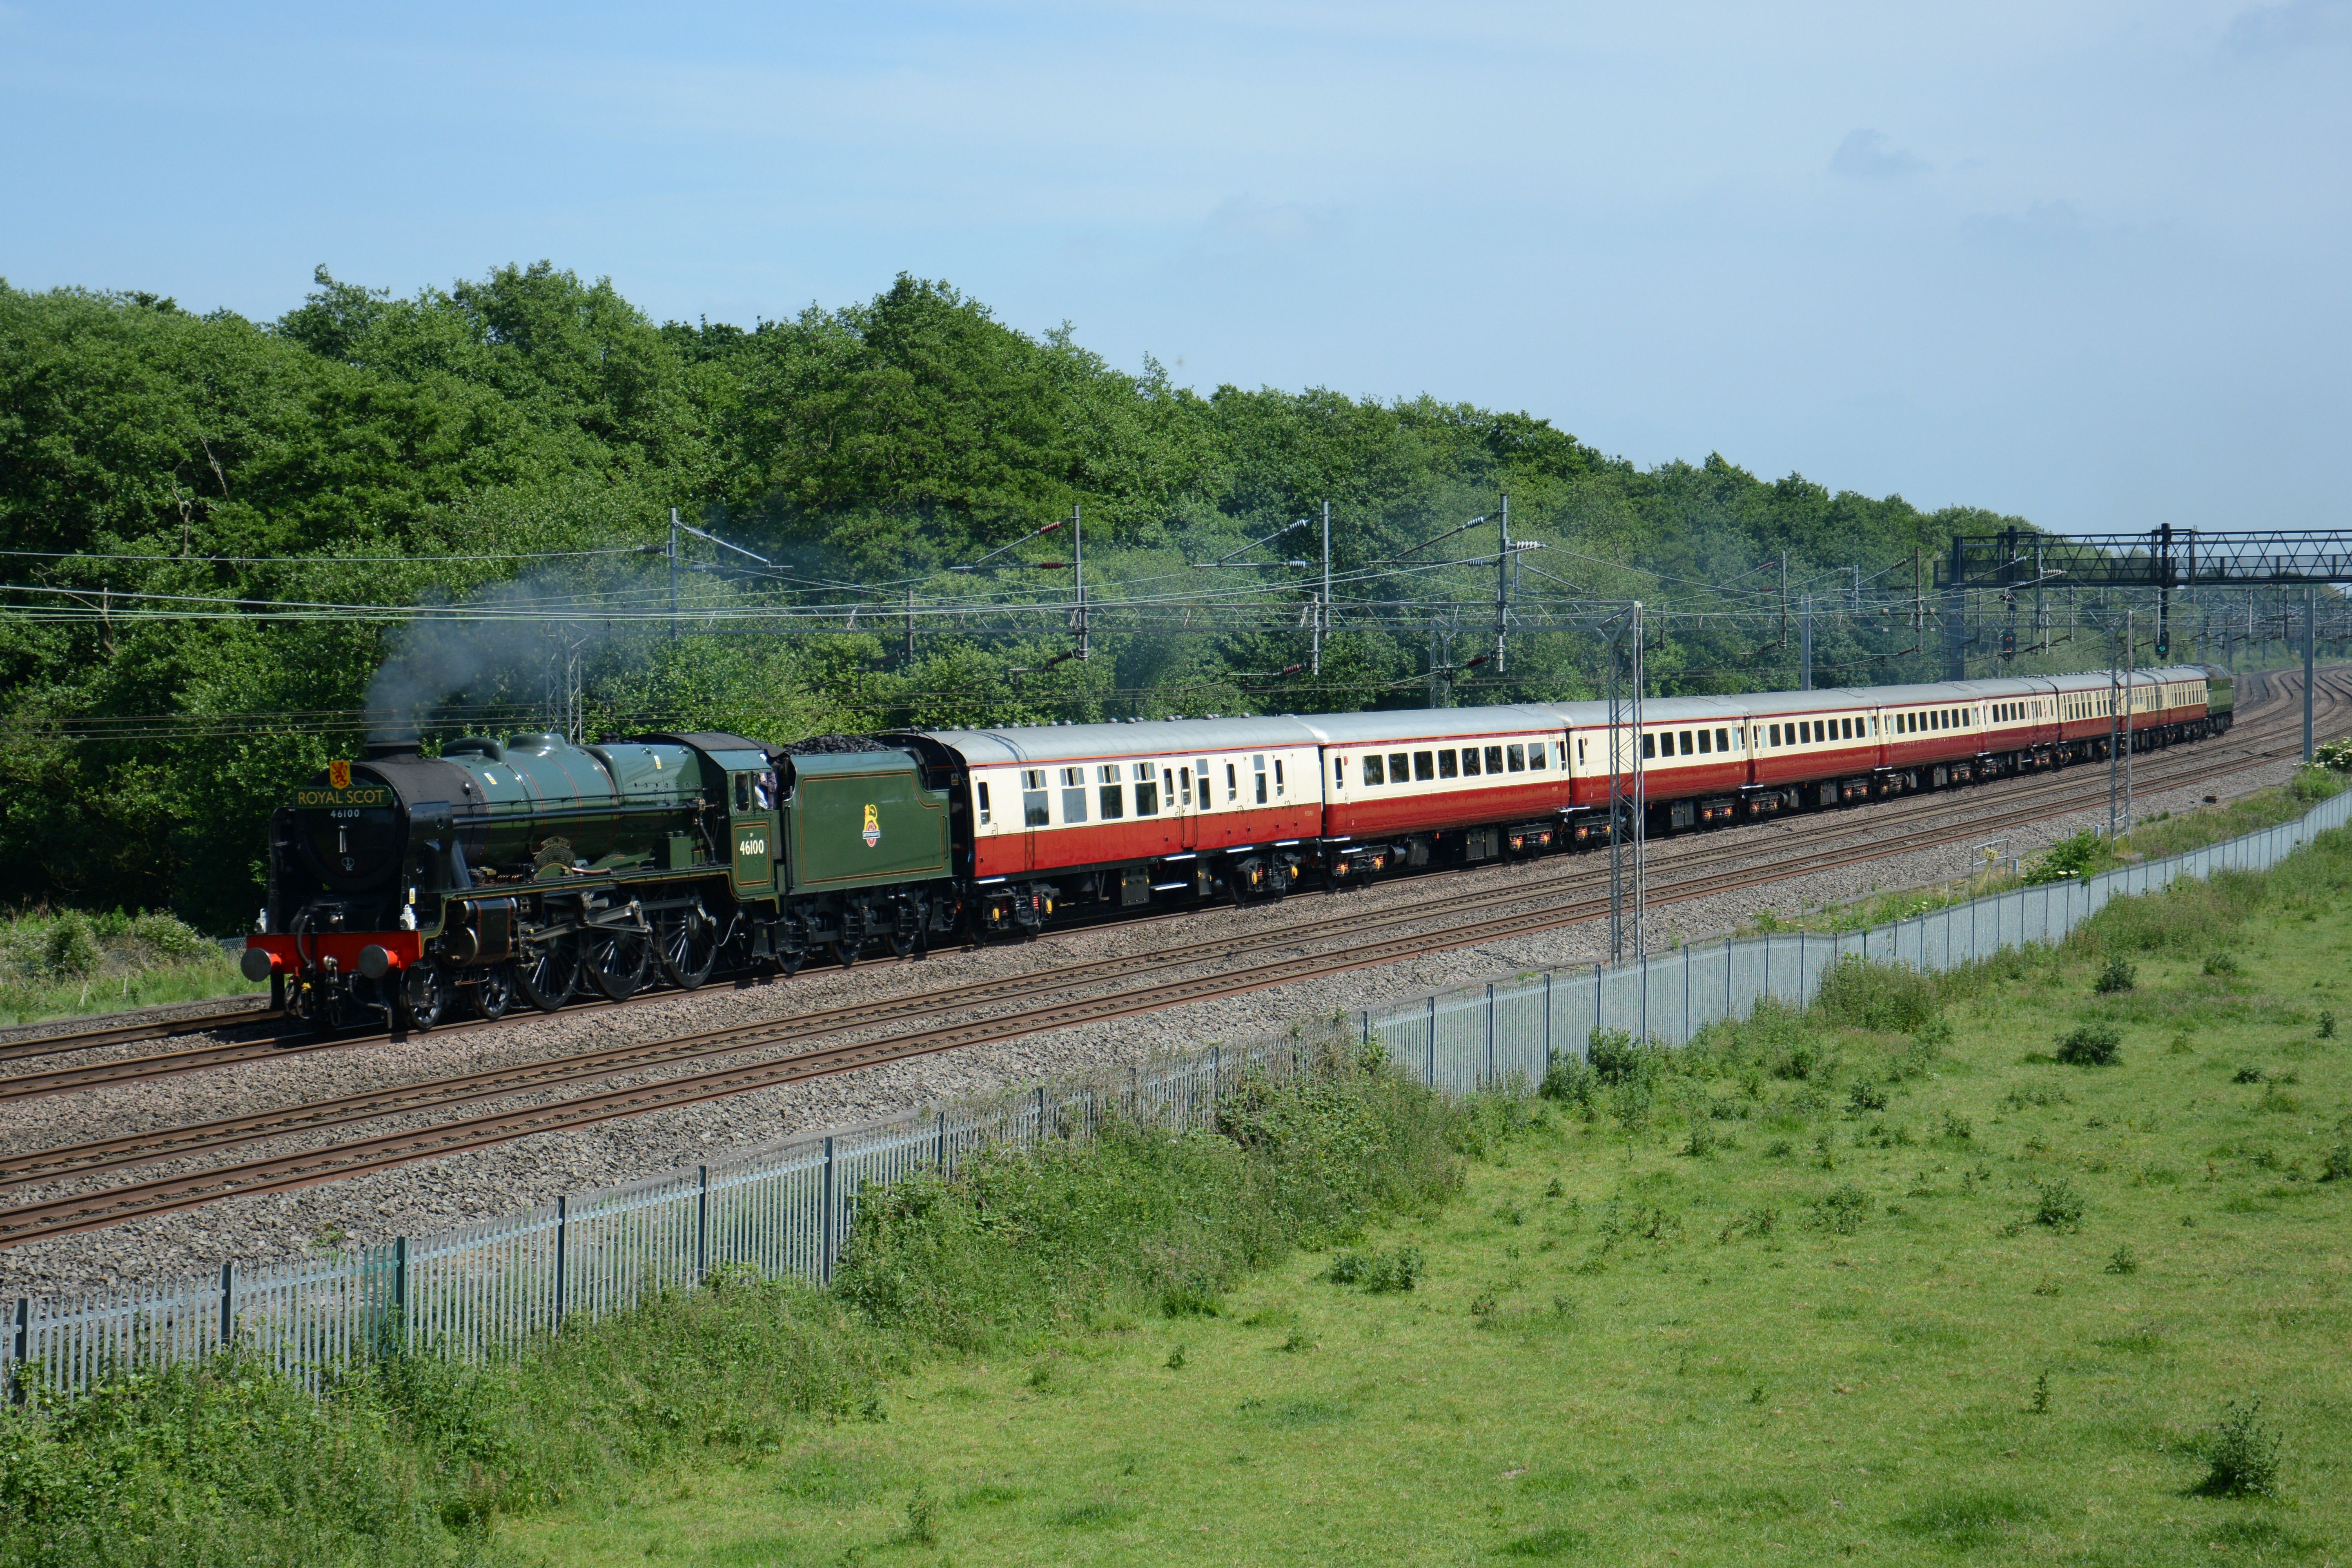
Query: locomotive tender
404, 888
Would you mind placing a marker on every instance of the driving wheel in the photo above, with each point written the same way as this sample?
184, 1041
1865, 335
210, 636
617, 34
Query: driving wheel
615, 959
687, 946
547, 973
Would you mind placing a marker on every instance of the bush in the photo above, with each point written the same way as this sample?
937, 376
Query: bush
1841, 1211
71, 950
1020, 1242
1571, 1080
2243, 1456
2084, 855
2118, 975
1616, 1058
2059, 1205
2337, 1166
2221, 963
2091, 1046
1866, 1096
1887, 997
1379, 1271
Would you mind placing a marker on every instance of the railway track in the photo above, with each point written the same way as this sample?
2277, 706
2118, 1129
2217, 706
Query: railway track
2163, 770
24, 1049
89, 1210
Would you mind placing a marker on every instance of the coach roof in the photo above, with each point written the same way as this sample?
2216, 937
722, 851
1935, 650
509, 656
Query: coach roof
1150, 738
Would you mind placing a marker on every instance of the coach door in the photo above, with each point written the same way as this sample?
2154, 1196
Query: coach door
1191, 784
1035, 815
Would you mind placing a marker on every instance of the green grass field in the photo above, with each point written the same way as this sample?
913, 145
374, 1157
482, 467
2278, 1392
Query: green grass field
1816, 1291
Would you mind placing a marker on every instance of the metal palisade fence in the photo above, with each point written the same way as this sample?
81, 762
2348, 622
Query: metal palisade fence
784, 1209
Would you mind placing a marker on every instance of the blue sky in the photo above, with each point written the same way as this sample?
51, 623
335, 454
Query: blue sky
2084, 262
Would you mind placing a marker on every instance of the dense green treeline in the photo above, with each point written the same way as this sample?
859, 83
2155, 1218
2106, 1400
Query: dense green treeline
210, 459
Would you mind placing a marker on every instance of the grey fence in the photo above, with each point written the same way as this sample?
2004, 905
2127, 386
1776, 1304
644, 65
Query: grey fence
786, 1209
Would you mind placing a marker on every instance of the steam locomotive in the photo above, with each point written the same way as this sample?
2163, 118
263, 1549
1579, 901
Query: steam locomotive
405, 889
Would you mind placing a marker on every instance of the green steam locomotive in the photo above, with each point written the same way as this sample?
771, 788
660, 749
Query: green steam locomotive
405, 889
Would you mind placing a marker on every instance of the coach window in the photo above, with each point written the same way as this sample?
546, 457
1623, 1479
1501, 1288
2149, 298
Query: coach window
1338, 771
980, 792
1536, 751
1074, 795
1579, 750
1494, 759
1518, 757
1032, 797
1649, 745
1277, 776
1722, 739
1373, 772
1168, 787
1446, 768
1424, 766
1257, 766
1400, 767
1113, 793
1200, 771
1706, 744
1147, 791
1469, 762
1232, 790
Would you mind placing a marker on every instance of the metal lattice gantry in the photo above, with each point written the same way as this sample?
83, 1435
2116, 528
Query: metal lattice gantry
2163, 557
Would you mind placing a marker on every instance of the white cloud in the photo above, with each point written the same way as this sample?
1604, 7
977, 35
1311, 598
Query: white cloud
1867, 155
2285, 29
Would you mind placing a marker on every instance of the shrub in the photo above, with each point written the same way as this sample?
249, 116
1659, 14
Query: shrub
2243, 1456
2247, 1075
1569, 1080
2122, 1260
2058, 1206
2118, 975
1889, 997
1616, 1058
70, 948
2090, 1045
1377, 1271
1867, 1096
2221, 963
2084, 855
1841, 1210
1959, 1128
2337, 1166
2327, 1024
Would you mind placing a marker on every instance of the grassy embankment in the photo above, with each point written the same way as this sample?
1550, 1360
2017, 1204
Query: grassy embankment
2083, 855
1883, 1282
63, 963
